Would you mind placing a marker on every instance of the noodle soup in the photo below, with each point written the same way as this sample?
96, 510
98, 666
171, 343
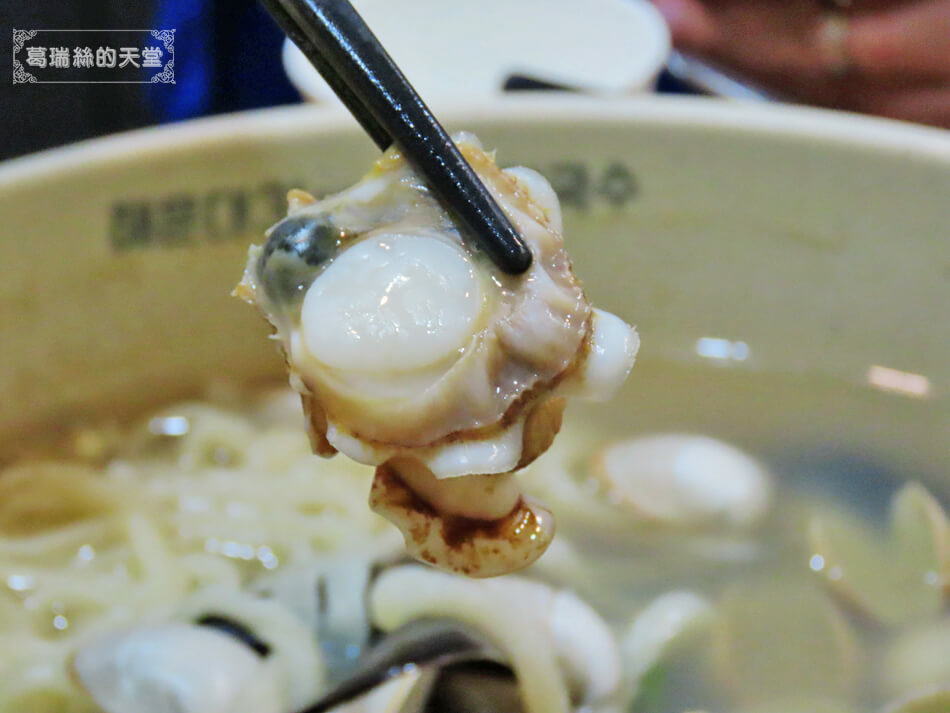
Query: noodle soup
756, 523
715, 598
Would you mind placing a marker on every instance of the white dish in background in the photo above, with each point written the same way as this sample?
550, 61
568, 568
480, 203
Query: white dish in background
464, 51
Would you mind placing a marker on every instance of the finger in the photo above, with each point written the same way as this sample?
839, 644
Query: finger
796, 87
770, 36
691, 26
909, 40
924, 105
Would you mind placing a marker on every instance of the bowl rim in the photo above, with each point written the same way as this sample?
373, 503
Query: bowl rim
768, 120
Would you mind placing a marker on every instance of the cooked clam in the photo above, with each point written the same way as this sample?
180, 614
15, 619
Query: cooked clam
177, 667
292, 651
412, 351
684, 480
894, 578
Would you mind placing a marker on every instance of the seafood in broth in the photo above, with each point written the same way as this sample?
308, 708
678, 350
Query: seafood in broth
214, 565
412, 352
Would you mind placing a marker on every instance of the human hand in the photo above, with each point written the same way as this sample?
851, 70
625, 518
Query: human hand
884, 57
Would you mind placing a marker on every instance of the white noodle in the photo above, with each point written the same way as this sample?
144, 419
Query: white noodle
203, 512
201, 522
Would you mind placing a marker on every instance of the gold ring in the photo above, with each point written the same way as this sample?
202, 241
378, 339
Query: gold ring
833, 37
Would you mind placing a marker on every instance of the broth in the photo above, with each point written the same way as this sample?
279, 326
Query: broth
830, 445
779, 635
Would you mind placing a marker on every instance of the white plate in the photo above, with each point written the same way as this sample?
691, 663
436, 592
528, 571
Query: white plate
463, 52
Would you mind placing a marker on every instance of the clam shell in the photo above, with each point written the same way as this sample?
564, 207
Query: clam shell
893, 577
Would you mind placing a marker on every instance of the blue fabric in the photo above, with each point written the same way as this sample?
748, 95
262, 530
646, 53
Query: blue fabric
227, 58
666, 83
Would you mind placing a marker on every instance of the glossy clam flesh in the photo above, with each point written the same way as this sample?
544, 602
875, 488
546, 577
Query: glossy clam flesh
413, 352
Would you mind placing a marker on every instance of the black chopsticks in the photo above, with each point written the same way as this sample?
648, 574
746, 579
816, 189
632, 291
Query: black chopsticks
337, 41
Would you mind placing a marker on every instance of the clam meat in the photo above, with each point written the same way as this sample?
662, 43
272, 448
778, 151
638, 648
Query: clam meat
414, 353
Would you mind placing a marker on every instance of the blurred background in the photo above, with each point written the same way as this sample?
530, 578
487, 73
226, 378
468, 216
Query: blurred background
885, 57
